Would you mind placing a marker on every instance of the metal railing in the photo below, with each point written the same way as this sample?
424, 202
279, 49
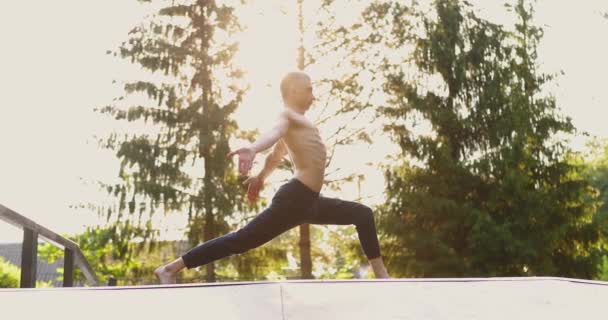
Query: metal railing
29, 251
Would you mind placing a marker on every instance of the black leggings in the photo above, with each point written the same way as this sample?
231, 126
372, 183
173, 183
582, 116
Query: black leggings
292, 205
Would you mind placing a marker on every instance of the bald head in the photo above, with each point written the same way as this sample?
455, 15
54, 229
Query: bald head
293, 80
296, 89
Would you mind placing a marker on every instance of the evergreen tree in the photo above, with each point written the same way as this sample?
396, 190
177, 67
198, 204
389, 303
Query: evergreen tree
487, 189
596, 171
177, 162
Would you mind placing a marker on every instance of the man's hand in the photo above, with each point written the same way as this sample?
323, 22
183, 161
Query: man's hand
255, 185
246, 156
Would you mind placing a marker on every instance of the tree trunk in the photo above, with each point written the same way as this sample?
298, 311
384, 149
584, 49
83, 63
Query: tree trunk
209, 233
305, 258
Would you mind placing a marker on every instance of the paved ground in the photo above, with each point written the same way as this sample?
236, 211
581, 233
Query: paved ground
493, 298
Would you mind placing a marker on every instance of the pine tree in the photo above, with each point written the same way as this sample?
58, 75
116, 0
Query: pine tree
177, 164
596, 171
487, 188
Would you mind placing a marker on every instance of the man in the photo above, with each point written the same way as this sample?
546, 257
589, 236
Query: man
296, 202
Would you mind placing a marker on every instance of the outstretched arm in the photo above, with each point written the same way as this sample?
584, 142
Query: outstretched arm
247, 154
271, 137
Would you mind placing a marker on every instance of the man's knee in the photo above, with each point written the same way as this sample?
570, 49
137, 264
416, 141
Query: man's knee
365, 215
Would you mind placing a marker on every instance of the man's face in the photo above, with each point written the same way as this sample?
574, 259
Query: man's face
301, 93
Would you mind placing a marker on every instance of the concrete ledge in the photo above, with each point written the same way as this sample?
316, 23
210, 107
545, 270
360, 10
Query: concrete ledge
452, 298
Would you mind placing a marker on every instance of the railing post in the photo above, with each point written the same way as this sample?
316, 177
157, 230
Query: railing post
29, 253
68, 267
29, 258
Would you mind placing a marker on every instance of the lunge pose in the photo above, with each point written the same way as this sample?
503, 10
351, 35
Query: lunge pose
296, 202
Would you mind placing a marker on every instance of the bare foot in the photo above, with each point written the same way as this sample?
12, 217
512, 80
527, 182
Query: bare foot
379, 268
165, 276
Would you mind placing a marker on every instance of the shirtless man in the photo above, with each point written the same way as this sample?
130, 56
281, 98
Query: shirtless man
296, 202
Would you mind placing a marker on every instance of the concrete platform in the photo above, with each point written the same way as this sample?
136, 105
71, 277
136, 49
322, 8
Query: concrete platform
487, 298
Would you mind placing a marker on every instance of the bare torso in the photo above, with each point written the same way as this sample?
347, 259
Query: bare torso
306, 150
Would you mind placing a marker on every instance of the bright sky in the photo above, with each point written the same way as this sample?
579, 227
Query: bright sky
54, 71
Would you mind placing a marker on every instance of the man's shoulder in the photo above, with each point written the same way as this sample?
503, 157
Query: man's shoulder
286, 113
289, 116
293, 117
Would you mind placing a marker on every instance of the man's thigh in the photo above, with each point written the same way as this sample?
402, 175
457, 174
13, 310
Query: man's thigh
268, 224
335, 211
